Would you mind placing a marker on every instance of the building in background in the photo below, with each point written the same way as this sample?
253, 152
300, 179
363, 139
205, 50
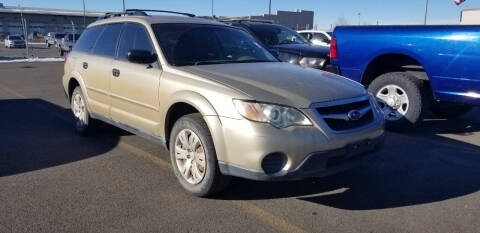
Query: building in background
470, 16
297, 20
43, 20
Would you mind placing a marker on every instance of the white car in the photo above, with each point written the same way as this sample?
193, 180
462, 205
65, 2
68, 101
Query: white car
317, 37
14, 42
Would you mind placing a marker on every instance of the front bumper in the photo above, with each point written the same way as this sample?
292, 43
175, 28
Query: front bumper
243, 146
316, 164
17, 45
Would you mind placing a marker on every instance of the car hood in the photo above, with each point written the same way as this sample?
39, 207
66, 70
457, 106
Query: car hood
304, 50
280, 82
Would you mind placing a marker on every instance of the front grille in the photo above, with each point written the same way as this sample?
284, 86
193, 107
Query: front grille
337, 117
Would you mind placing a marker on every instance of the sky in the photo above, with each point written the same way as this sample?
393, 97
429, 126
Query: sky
326, 12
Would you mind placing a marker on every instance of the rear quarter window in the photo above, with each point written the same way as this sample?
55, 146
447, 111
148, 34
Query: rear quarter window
86, 42
107, 42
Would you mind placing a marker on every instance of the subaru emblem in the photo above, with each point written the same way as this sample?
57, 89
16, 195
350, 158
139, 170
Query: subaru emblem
354, 115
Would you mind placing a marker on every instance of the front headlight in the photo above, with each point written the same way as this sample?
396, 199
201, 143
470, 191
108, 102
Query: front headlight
312, 62
302, 61
276, 115
290, 58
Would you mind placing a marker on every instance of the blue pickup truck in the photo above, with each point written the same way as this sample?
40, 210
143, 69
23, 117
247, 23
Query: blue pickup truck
412, 69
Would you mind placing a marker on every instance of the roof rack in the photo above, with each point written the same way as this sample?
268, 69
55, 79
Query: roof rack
142, 11
246, 20
130, 12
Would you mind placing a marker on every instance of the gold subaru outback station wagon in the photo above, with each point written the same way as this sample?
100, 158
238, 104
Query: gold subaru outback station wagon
218, 100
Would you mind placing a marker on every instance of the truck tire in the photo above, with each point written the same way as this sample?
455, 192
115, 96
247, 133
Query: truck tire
401, 97
449, 110
61, 52
193, 157
84, 124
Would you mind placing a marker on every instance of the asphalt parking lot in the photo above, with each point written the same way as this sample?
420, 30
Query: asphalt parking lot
39, 50
52, 180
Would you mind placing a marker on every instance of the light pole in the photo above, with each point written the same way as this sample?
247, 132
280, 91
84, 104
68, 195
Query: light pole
270, 7
123, 5
212, 11
359, 18
83, 14
426, 11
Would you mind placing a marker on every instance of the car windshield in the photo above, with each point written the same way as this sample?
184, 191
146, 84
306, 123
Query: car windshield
277, 35
202, 44
59, 35
15, 38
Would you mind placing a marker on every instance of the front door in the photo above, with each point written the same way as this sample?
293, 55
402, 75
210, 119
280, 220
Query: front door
134, 87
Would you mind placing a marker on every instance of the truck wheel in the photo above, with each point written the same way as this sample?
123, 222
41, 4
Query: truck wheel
400, 98
193, 157
61, 52
84, 124
449, 110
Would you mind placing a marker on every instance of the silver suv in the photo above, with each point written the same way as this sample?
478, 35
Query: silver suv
218, 100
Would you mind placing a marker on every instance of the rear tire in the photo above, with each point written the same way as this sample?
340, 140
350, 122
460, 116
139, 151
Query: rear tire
449, 110
84, 124
191, 152
402, 99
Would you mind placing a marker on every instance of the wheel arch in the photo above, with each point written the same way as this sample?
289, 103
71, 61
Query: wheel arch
182, 103
393, 62
72, 81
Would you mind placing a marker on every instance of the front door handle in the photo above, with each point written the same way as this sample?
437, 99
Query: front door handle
116, 72
85, 65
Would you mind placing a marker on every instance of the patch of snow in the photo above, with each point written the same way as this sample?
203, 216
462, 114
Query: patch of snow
51, 59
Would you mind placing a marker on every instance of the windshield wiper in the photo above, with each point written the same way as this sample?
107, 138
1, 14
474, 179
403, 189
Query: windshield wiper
211, 62
254, 61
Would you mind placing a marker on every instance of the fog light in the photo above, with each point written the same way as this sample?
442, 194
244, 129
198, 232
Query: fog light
273, 163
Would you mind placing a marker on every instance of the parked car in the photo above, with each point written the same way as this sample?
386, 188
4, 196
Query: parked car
218, 100
285, 43
54, 38
67, 42
316, 37
412, 69
3, 35
35, 35
14, 41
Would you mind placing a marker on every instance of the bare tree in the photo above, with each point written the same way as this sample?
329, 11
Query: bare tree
341, 21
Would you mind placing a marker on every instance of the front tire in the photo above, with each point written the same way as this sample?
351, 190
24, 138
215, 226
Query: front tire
193, 157
401, 97
84, 124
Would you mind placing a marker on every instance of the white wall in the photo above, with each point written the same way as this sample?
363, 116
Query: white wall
471, 16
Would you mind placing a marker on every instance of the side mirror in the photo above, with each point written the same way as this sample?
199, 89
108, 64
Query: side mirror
141, 56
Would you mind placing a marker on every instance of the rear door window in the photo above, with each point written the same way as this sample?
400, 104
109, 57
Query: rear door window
134, 36
88, 39
107, 42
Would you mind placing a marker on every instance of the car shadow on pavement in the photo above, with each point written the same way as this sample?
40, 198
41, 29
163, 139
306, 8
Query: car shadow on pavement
417, 168
36, 134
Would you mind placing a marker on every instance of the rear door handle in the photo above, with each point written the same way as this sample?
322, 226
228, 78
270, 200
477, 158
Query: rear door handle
116, 72
85, 65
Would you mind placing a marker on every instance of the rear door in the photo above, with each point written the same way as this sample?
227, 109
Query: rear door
97, 67
134, 87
